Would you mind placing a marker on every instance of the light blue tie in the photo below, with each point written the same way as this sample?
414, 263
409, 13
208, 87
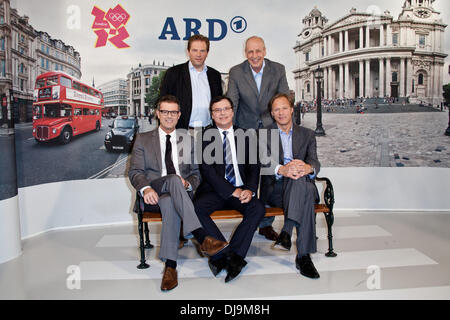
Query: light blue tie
228, 161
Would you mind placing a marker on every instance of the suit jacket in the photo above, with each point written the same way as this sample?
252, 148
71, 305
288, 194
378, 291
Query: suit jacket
214, 174
146, 162
304, 148
251, 106
177, 82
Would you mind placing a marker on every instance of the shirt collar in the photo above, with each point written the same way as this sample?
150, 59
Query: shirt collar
282, 132
162, 133
192, 68
230, 130
260, 71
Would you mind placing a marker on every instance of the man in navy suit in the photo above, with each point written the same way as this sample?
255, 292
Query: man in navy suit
230, 181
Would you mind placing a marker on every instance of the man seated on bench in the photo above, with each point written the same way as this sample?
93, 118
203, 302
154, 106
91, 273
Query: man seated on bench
230, 181
165, 178
287, 180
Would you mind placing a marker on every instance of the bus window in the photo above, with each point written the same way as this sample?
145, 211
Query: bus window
37, 112
97, 112
66, 82
91, 92
40, 83
77, 112
91, 112
85, 111
56, 110
52, 81
96, 93
84, 89
66, 110
76, 86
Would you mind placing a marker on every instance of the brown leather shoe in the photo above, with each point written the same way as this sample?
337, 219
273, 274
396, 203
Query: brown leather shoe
269, 233
211, 246
170, 279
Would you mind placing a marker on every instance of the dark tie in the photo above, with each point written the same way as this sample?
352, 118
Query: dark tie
228, 160
168, 156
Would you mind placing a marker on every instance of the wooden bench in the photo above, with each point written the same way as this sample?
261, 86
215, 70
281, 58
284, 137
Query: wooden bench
325, 206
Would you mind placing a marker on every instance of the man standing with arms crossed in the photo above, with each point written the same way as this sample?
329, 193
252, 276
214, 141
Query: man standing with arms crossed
251, 86
194, 84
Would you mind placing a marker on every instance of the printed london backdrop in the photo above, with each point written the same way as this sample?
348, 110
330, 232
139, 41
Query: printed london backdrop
123, 47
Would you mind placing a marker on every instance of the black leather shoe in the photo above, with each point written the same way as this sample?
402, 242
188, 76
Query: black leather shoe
217, 265
306, 267
268, 233
234, 267
283, 242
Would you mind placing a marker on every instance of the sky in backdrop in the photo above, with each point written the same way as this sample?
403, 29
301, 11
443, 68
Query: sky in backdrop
278, 22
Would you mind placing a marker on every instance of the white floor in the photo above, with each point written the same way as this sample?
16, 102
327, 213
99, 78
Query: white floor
393, 255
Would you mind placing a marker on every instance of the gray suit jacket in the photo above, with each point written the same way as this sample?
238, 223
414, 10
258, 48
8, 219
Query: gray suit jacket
251, 106
304, 148
146, 162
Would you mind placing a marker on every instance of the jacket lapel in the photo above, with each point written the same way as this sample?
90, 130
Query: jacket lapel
265, 79
248, 75
157, 147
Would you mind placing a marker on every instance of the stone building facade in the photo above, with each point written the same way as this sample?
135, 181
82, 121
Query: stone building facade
373, 55
139, 81
115, 95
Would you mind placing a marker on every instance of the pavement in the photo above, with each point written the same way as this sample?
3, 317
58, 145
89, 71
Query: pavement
409, 139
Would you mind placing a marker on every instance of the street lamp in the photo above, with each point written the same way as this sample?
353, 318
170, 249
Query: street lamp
447, 132
318, 74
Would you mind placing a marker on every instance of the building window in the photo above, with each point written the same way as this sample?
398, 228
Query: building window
2, 68
420, 82
2, 44
307, 56
394, 77
395, 39
308, 88
422, 40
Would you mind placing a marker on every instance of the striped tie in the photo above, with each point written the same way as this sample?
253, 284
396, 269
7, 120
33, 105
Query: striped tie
229, 169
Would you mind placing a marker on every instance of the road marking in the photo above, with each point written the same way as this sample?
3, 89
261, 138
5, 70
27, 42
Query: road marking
122, 159
257, 265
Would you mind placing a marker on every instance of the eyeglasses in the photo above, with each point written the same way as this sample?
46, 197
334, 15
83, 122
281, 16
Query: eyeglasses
167, 112
220, 110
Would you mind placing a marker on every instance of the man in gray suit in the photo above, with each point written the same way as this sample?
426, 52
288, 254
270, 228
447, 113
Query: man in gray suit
163, 170
251, 85
289, 183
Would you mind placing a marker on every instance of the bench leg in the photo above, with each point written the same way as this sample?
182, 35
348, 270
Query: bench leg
148, 245
142, 265
329, 217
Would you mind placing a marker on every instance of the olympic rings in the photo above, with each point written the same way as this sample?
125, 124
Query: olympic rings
120, 17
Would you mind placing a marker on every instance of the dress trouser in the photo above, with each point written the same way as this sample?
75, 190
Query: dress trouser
252, 212
297, 200
176, 205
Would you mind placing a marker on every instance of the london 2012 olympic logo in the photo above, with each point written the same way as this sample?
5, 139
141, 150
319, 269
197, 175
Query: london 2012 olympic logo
110, 26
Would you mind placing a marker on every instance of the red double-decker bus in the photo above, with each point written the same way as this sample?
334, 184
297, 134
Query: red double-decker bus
64, 107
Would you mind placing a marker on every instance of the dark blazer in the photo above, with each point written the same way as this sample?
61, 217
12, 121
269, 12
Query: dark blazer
251, 105
213, 175
146, 162
304, 148
177, 82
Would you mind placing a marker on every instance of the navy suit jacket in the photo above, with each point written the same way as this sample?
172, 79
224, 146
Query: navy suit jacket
213, 175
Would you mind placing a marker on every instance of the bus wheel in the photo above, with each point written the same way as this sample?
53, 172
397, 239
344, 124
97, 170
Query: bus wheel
65, 136
97, 126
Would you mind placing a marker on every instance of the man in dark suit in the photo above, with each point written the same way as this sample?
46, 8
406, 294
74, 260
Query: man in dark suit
287, 180
251, 85
163, 171
230, 181
194, 84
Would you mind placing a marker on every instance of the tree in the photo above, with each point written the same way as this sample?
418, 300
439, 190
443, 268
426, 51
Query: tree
151, 97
